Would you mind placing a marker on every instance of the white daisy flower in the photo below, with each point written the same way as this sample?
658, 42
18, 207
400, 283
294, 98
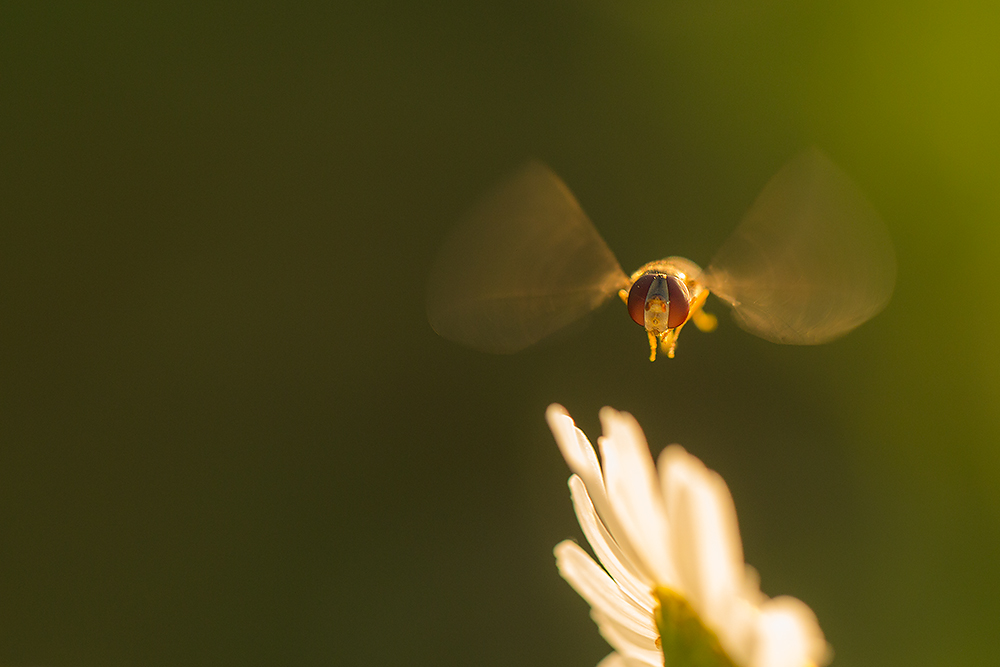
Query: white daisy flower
671, 588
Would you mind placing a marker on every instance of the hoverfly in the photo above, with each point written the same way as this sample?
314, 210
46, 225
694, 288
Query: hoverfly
810, 261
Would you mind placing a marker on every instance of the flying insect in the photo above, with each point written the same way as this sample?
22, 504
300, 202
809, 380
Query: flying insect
810, 261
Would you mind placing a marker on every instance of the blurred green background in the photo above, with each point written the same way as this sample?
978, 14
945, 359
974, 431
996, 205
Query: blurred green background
228, 435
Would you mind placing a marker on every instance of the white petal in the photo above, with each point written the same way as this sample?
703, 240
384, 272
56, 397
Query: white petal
788, 635
575, 447
751, 586
707, 551
631, 651
618, 660
739, 634
627, 639
612, 660
596, 587
582, 460
618, 565
634, 492
634, 662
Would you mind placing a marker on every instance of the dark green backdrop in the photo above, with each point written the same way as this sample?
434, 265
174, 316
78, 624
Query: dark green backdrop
228, 435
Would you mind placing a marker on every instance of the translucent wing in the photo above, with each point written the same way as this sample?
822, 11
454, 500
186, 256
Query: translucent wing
810, 261
524, 263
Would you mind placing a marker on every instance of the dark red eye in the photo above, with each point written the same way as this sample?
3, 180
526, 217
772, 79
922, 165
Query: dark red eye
677, 296
637, 298
680, 301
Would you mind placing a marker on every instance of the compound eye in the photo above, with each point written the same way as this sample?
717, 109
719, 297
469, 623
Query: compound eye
669, 289
680, 301
637, 298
